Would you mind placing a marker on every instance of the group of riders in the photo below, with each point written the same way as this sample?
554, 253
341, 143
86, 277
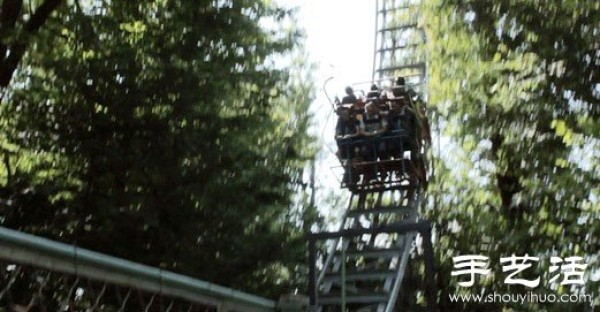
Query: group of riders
382, 136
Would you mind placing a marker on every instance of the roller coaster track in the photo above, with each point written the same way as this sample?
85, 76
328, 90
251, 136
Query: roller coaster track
361, 266
400, 43
37, 274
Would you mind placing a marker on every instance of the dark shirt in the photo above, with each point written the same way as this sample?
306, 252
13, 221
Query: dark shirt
346, 127
373, 95
346, 145
373, 123
349, 99
403, 120
399, 91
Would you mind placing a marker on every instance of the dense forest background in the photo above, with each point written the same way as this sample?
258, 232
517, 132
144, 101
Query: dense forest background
179, 130
172, 133
514, 89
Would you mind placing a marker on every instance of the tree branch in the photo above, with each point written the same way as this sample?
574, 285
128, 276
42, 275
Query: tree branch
41, 15
16, 52
11, 9
9, 173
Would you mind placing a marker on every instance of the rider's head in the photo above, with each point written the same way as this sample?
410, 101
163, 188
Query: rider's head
374, 87
349, 90
400, 81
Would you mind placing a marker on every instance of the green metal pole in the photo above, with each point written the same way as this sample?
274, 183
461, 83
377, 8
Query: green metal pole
343, 269
58, 257
312, 274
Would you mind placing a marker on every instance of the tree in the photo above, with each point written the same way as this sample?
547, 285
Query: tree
18, 24
169, 127
516, 85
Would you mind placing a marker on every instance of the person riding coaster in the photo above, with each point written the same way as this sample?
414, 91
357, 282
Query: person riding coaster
346, 133
372, 138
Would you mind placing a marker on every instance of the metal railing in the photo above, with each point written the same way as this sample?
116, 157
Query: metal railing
422, 227
54, 257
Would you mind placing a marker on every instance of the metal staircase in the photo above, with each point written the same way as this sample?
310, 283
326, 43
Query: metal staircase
363, 264
373, 267
367, 258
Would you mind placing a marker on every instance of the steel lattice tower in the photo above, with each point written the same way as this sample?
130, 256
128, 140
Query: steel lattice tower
400, 43
362, 265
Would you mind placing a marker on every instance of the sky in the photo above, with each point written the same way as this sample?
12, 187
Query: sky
340, 38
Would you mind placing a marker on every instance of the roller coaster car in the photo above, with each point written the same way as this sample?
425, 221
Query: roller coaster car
395, 159
377, 168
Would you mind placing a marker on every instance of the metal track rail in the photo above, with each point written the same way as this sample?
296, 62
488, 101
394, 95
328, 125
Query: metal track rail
67, 259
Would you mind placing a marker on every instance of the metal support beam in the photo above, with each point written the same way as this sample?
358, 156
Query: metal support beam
312, 274
400, 228
58, 257
397, 28
431, 291
407, 66
343, 278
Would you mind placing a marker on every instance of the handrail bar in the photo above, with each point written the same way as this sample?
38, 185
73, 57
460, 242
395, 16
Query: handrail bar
41, 252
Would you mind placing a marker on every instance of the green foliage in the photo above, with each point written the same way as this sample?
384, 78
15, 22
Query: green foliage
516, 84
166, 132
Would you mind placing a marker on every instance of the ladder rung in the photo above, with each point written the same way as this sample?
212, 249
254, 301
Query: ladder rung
400, 227
354, 298
407, 66
401, 27
373, 275
375, 252
379, 188
405, 7
395, 209
406, 46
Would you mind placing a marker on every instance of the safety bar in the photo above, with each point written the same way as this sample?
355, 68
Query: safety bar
371, 149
